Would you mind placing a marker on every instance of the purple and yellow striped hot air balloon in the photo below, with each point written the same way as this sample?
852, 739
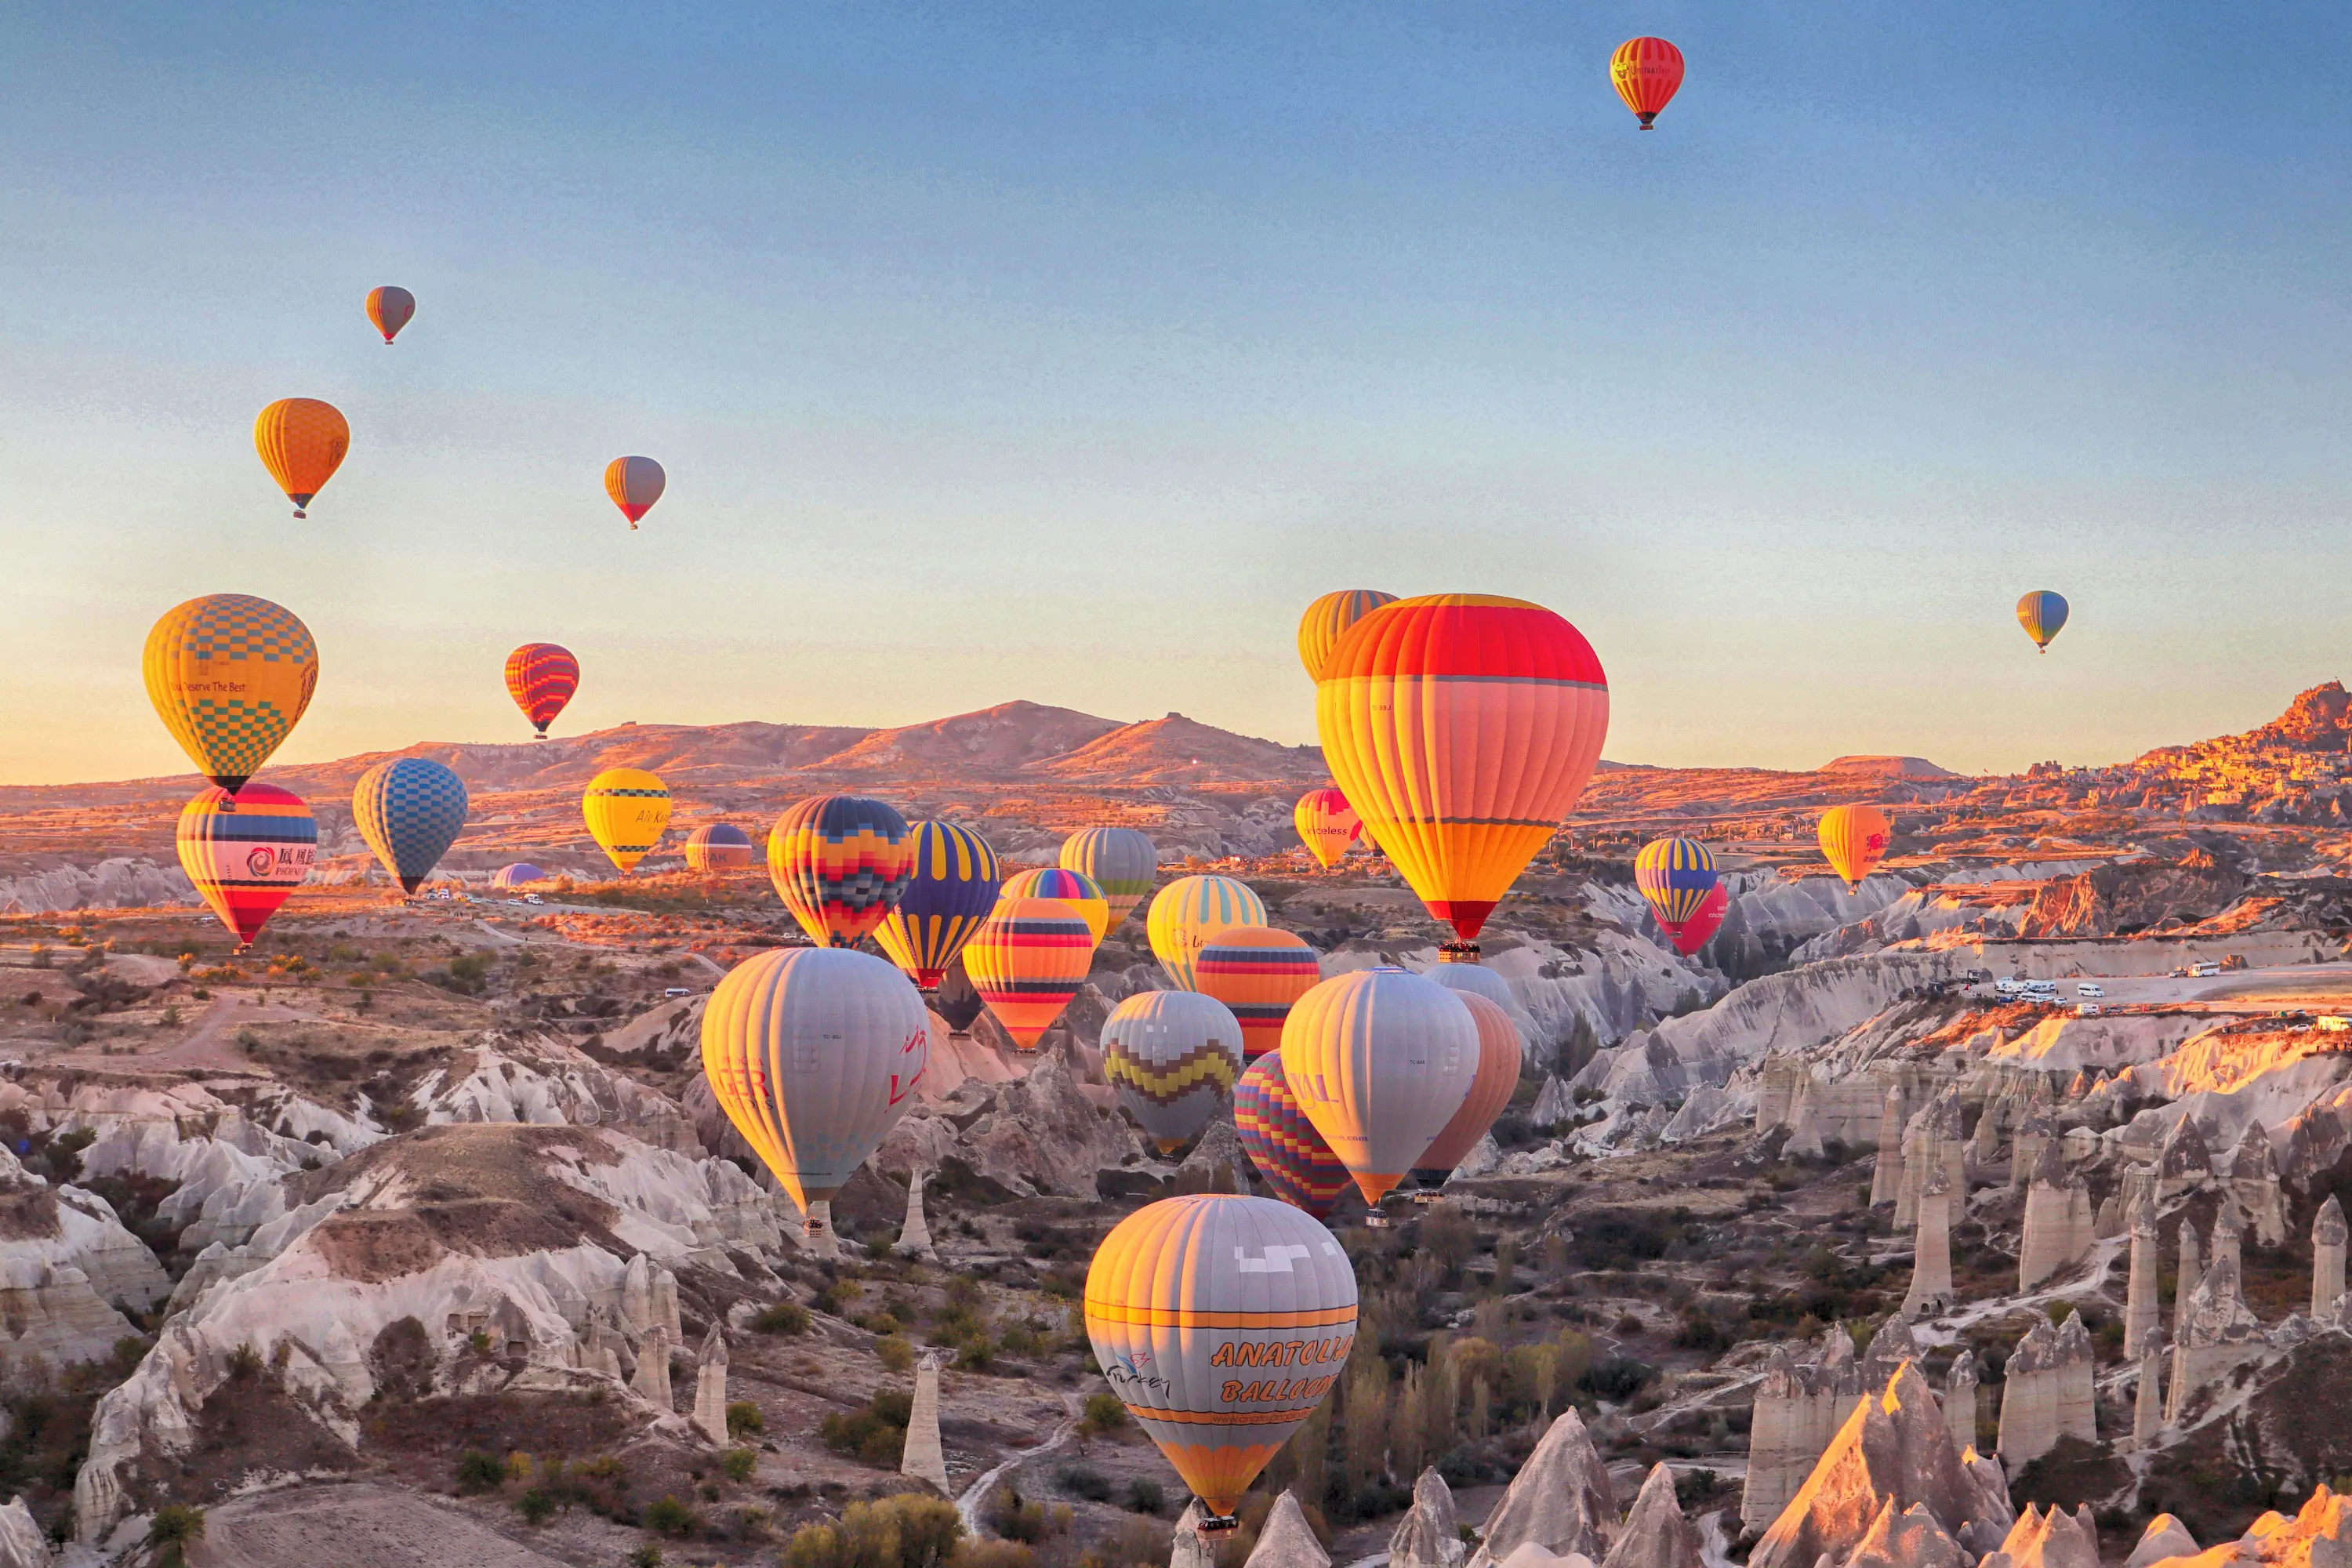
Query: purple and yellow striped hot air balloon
840, 863
717, 847
954, 887
1027, 960
1282, 1143
1676, 875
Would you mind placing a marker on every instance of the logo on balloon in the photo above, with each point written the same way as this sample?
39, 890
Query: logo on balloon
260, 861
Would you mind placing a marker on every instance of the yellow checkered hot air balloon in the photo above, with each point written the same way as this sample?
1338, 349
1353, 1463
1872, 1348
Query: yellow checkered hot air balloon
230, 675
626, 810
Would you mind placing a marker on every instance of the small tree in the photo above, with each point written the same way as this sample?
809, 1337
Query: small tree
745, 1420
169, 1532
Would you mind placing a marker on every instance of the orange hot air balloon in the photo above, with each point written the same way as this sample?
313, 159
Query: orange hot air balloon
1258, 972
1326, 825
1328, 618
301, 441
634, 484
1646, 73
1854, 837
390, 308
1027, 960
1462, 728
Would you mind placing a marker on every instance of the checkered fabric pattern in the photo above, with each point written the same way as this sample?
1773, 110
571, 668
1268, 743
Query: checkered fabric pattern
410, 811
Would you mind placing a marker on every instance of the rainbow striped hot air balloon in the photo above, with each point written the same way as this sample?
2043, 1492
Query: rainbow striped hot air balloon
1258, 972
627, 811
1188, 911
1171, 1055
542, 677
1027, 960
1074, 889
1120, 861
1326, 825
1676, 875
1328, 618
1855, 839
1282, 1143
953, 887
717, 847
2043, 613
247, 853
839, 863
410, 811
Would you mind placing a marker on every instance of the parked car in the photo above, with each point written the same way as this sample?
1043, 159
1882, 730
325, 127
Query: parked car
678, 991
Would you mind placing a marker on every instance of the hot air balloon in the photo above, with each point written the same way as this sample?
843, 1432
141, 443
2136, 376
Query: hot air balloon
390, 308
1706, 920
1497, 1074
301, 441
1259, 972
2043, 613
1171, 1055
1326, 825
814, 1053
246, 853
1328, 618
1462, 728
1676, 875
839, 862
1475, 979
626, 810
229, 676
1282, 1143
1221, 1321
1123, 862
957, 1001
1027, 960
410, 811
634, 484
1380, 1059
1188, 911
1647, 73
522, 874
954, 887
718, 847
542, 677
1854, 838
1075, 888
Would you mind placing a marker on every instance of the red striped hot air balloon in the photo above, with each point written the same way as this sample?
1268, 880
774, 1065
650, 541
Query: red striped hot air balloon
1258, 972
1646, 73
1027, 960
542, 677
1282, 1143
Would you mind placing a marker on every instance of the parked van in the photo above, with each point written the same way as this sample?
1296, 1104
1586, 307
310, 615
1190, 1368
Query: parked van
2203, 971
2005, 987
2086, 1009
2088, 988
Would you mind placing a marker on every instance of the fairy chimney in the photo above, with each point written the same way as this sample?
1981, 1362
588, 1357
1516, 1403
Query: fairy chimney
2327, 1235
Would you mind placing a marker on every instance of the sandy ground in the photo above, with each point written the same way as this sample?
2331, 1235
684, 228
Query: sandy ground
356, 1526
2278, 989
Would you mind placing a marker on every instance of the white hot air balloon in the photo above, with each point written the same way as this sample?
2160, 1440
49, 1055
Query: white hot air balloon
815, 1053
1222, 1322
1172, 1056
1380, 1060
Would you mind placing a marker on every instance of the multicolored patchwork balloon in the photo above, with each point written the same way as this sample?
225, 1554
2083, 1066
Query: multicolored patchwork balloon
230, 676
410, 811
718, 847
1027, 960
1258, 972
1121, 862
1190, 911
1171, 1055
953, 887
246, 853
627, 811
542, 677
1282, 1143
840, 862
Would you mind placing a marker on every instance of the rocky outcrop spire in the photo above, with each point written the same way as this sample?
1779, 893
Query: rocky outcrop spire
1798, 1408
652, 1381
2052, 1540
1560, 1500
2077, 1366
599, 1350
1190, 1548
2184, 1279
2058, 1219
2327, 1236
710, 1387
1931, 1251
2217, 1332
2142, 1306
1894, 1449
2254, 1183
1655, 1534
2184, 1164
2228, 1229
2164, 1537
1910, 1538
915, 1236
1430, 1535
2047, 1392
2035, 1135
1555, 1106
22, 1543
1804, 1124
2147, 1404
1286, 1539
1886, 1174
1960, 1401
1951, 1133
923, 1458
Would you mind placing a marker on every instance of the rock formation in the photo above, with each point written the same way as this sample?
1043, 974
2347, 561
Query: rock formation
1430, 1534
2047, 1394
1189, 1548
2035, 1135
1560, 1500
22, 1543
651, 1382
1798, 1407
2217, 1332
924, 1458
2052, 1540
2254, 1183
1286, 1539
2227, 1231
2058, 1219
1894, 1448
1931, 1251
710, 1387
2164, 1537
2142, 1309
1804, 1130
915, 1235
1554, 1106
1909, 1538
2327, 1238
1960, 1401
2148, 1401
2184, 1279
2184, 1164
1886, 1174
1655, 1534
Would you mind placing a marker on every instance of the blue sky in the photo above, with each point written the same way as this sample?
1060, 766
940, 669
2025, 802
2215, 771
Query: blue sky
1064, 351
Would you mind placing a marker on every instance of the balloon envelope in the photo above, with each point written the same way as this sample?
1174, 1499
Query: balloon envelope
1190, 909
634, 484
1380, 1059
1027, 960
814, 1053
1674, 875
390, 309
718, 847
1694, 932
246, 852
1072, 888
1646, 73
1259, 972
1499, 1057
542, 677
1326, 825
1171, 1055
1328, 618
2041, 613
521, 874
953, 887
230, 675
1123, 862
626, 810
1221, 1321
839, 862
410, 811
1282, 1143
301, 442
1854, 838
1462, 728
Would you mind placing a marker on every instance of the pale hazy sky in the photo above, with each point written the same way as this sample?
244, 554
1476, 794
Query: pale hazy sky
1064, 351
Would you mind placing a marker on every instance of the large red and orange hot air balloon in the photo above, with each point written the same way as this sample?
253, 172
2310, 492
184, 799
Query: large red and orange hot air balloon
634, 484
1027, 960
542, 677
301, 442
1326, 825
1462, 728
1854, 838
1647, 73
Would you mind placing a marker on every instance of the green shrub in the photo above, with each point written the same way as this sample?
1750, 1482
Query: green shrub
877, 1434
480, 1472
909, 1531
645, 1556
668, 1516
1145, 1495
1105, 1412
536, 1506
1080, 1481
737, 1463
745, 1420
896, 1352
783, 1318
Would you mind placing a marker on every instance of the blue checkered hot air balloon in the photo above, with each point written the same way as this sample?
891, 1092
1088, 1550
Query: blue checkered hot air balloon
410, 811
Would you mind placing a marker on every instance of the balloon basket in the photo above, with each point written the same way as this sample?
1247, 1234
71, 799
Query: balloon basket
1216, 1524
1376, 1220
1457, 952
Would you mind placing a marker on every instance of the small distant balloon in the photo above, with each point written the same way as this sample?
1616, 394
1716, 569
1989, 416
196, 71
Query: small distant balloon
1688, 936
1855, 839
542, 677
1320, 628
1646, 73
2043, 613
302, 442
626, 810
1675, 875
634, 484
1326, 825
390, 308
718, 847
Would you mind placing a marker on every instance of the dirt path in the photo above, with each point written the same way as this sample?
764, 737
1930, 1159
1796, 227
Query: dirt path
209, 1046
358, 1526
968, 1505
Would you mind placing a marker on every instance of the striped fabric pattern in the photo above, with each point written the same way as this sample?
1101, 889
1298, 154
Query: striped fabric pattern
1258, 972
1190, 911
1027, 960
717, 847
1690, 935
1647, 73
246, 852
542, 677
1676, 875
230, 676
1327, 619
522, 873
1282, 1143
2043, 613
953, 887
840, 863
1071, 888
627, 811
301, 441
410, 811
1121, 862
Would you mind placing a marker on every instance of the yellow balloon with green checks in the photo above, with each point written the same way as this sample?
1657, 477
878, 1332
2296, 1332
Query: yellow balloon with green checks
230, 675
